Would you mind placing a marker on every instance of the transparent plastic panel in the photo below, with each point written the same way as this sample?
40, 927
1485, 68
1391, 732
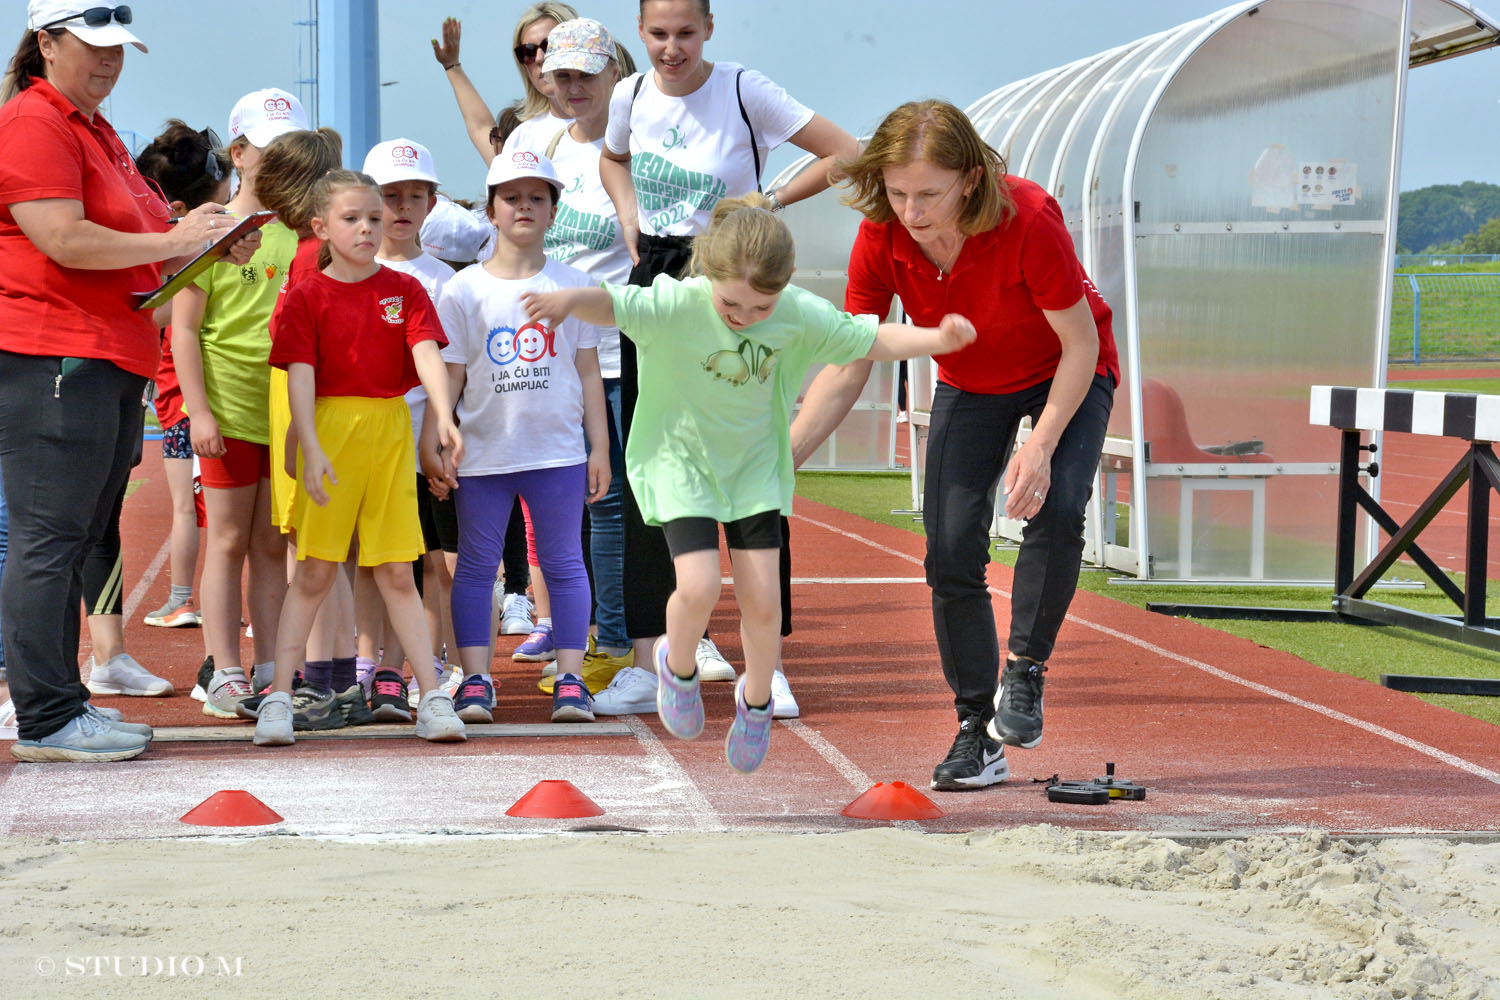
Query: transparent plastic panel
1106, 204
863, 441
1236, 327
1441, 29
994, 126
1018, 138
1074, 155
1042, 155
1284, 116
982, 110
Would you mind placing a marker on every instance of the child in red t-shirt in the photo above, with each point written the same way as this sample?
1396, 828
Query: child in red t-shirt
353, 338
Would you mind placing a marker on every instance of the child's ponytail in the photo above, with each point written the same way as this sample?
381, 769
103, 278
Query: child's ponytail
744, 241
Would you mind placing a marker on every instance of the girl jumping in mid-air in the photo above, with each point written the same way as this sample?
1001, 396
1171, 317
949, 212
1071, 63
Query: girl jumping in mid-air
722, 356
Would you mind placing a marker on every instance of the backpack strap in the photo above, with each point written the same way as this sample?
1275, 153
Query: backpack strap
754, 145
552, 146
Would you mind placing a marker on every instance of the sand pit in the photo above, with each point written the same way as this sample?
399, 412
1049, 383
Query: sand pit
1034, 912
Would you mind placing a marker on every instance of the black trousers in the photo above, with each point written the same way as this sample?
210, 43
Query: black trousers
649, 576
971, 438
66, 447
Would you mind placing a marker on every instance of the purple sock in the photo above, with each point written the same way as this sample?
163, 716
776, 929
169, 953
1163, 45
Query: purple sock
319, 674
343, 673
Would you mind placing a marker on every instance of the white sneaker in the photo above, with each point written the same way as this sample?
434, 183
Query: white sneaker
121, 674
711, 663
273, 724
8, 720
631, 692
783, 705
437, 722
516, 615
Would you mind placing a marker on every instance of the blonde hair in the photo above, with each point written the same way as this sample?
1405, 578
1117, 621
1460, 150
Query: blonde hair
535, 102
938, 133
744, 241
289, 167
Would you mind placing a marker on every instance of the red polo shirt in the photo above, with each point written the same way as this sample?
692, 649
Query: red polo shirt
52, 151
357, 335
1002, 281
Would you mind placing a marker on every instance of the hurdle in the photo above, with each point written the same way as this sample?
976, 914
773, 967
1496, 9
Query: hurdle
1354, 411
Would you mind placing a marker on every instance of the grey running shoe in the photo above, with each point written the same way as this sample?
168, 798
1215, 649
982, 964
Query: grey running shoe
228, 688
352, 706
273, 726
85, 739
113, 717
436, 720
121, 674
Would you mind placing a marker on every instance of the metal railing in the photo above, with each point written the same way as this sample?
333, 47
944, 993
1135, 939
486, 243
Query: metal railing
1444, 259
1445, 316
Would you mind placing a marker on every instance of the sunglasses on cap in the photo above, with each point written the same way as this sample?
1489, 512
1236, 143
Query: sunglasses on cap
95, 17
527, 52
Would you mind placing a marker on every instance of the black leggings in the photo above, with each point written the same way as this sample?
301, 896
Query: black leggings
648, 563
104, 567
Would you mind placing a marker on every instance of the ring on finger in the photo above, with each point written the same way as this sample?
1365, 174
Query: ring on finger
1039, 494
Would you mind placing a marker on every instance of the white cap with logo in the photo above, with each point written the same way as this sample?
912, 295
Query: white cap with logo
400, 160
522, 163
98, 22
262, 115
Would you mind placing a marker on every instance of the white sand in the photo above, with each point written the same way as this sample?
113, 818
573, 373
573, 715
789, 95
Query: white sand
1036, 912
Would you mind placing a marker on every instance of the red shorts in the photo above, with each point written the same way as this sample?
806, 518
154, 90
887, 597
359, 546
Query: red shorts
243, 464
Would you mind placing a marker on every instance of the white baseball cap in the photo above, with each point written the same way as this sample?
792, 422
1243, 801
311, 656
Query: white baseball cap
262, 115
69, 14
522, 163
400, 160
453, 233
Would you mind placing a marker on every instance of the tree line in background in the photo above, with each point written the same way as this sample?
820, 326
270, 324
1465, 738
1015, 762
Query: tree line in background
1450, 218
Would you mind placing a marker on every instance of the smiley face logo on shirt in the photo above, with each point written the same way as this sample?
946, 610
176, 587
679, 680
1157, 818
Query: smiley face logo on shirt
500, 345
534, 342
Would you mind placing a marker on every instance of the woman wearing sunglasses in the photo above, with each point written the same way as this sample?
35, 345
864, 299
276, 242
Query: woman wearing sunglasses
540, 113
81, 231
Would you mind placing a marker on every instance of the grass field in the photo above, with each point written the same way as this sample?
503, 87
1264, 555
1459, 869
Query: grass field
1364, 652
1460, 316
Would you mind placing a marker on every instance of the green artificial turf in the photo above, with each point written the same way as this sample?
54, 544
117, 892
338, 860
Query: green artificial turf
1364, 652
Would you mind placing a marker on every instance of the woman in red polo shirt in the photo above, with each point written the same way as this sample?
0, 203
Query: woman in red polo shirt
80, 232
947, 230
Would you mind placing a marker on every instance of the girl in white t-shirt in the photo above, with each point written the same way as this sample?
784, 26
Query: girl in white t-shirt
682, 136
529, 396
722, 358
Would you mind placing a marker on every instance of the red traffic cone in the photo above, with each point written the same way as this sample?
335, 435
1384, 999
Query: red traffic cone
896, 800
554, 799
231, 808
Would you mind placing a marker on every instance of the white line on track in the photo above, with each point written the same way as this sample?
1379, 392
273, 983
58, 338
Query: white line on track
816, 580
843, 765
1291, 699
675, 777
138, 592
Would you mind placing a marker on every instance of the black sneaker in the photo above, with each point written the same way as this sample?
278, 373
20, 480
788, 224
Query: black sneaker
314, 709
1018, 704
205, 677
352, 707
250, 707
973, 761
388, 697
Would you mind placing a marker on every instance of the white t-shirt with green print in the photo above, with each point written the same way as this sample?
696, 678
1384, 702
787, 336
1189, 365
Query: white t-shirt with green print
688, 153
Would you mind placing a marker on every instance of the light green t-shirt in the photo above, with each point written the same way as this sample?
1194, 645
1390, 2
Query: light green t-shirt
711, 431
234, 338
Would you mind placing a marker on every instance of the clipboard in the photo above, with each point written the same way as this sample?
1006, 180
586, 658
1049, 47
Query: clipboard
209, 257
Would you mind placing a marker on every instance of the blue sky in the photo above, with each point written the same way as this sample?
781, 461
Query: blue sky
851, 60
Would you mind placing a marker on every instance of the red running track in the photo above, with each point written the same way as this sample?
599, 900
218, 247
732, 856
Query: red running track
1228, 736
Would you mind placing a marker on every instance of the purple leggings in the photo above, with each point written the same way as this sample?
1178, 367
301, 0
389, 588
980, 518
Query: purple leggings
555, 499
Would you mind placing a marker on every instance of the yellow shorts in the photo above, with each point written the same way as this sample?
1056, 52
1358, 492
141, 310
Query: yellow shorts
369, 443
283, 486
